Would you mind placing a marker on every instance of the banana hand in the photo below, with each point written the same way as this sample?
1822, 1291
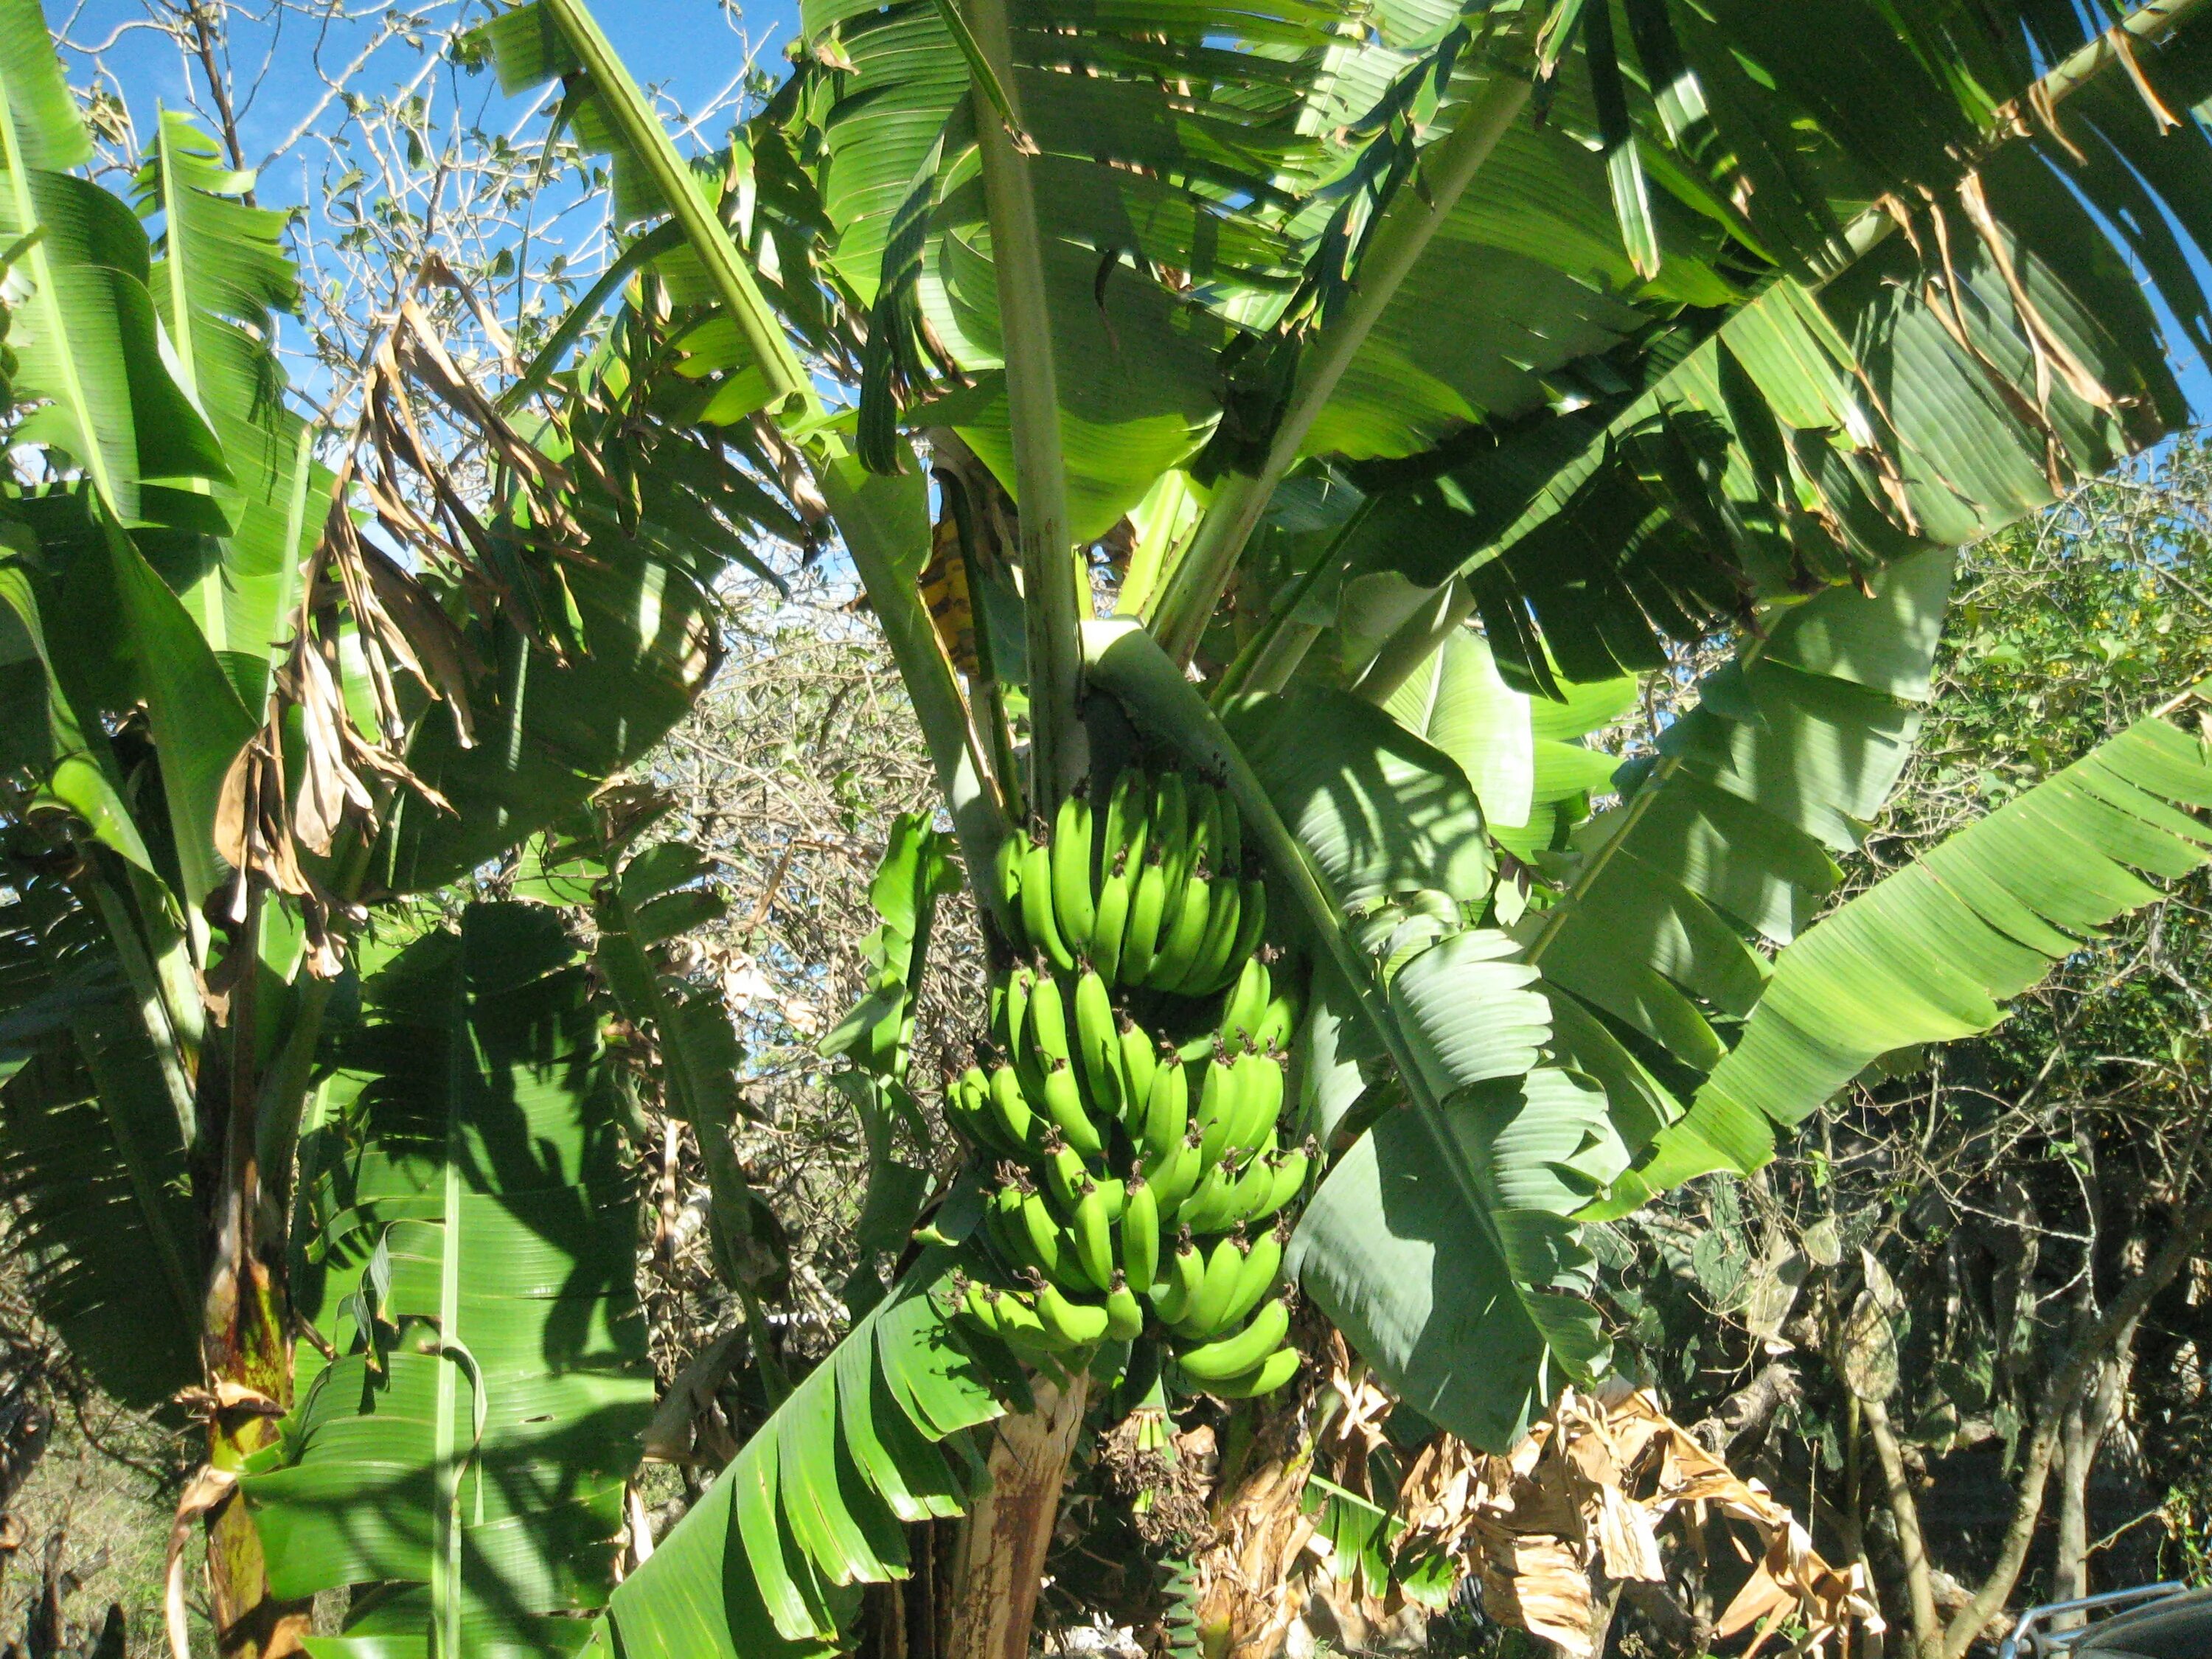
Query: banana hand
1232, 1356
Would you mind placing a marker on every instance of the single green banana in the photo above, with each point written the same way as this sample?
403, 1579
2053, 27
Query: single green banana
1167, 1108
1178, 1174
1251, 919
1205, 812
975, 1302
1142, 937
1246, 1197
1261, 1088
1110, 816
1277, 1021
1207, 1209
1288, 1179
1074, 900
1005, 1236
1111, 918
1229, 860
1202, 1320
1257, 1276
1220, 1104
1171, 827
1063, 1104
1021, 1255
1269, 1375
1232, 1356
1011, 1107
1092, 1236
1065, 1171
1139, 1059
1180, 1282
1141, 1232
1180, 941
968, 1108
1037, 917
1116, 1193
1013, 1025
1098, 1046
1240, 1012
1047, 1022
1040, 1228
1077, 1324
1127, 813
1125, 1315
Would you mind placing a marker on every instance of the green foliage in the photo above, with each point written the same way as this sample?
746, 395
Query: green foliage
92, 1153
876, 1036
1927, 954
771, 1560
470, 1262
1646, 378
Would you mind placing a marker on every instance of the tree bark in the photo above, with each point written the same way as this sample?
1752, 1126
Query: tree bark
2106, 1336
1904, 1509
2080, 1437
998, 1564
2096, 1342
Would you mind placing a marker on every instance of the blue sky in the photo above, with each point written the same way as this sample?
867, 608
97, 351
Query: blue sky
689, 51
689, 48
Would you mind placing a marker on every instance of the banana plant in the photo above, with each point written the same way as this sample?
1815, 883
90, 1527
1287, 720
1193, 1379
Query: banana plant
219, 750
1410, 385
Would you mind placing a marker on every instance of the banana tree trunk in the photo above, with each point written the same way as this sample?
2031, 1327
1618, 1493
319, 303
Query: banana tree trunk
998, 1562
250, 1374
245, 1347
1249, 1602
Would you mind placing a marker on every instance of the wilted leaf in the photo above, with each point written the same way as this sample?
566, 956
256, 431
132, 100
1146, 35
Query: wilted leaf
1866, 1349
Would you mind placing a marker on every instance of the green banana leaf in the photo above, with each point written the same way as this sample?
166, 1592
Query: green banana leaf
64, 751
551, 728
93, 1159
916, 872
1524, 756
222, 278
1381, 810
1931, 952
471, 1265
86, 339
1730, 835
877, 1036
771, 1561
661, 893
549, 39
1476, 1334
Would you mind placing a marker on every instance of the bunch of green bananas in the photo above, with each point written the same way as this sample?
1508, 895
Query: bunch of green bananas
1151, 893
1187, 1242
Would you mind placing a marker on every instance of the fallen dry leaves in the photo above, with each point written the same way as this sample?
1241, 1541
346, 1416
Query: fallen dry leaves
1590, 1492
